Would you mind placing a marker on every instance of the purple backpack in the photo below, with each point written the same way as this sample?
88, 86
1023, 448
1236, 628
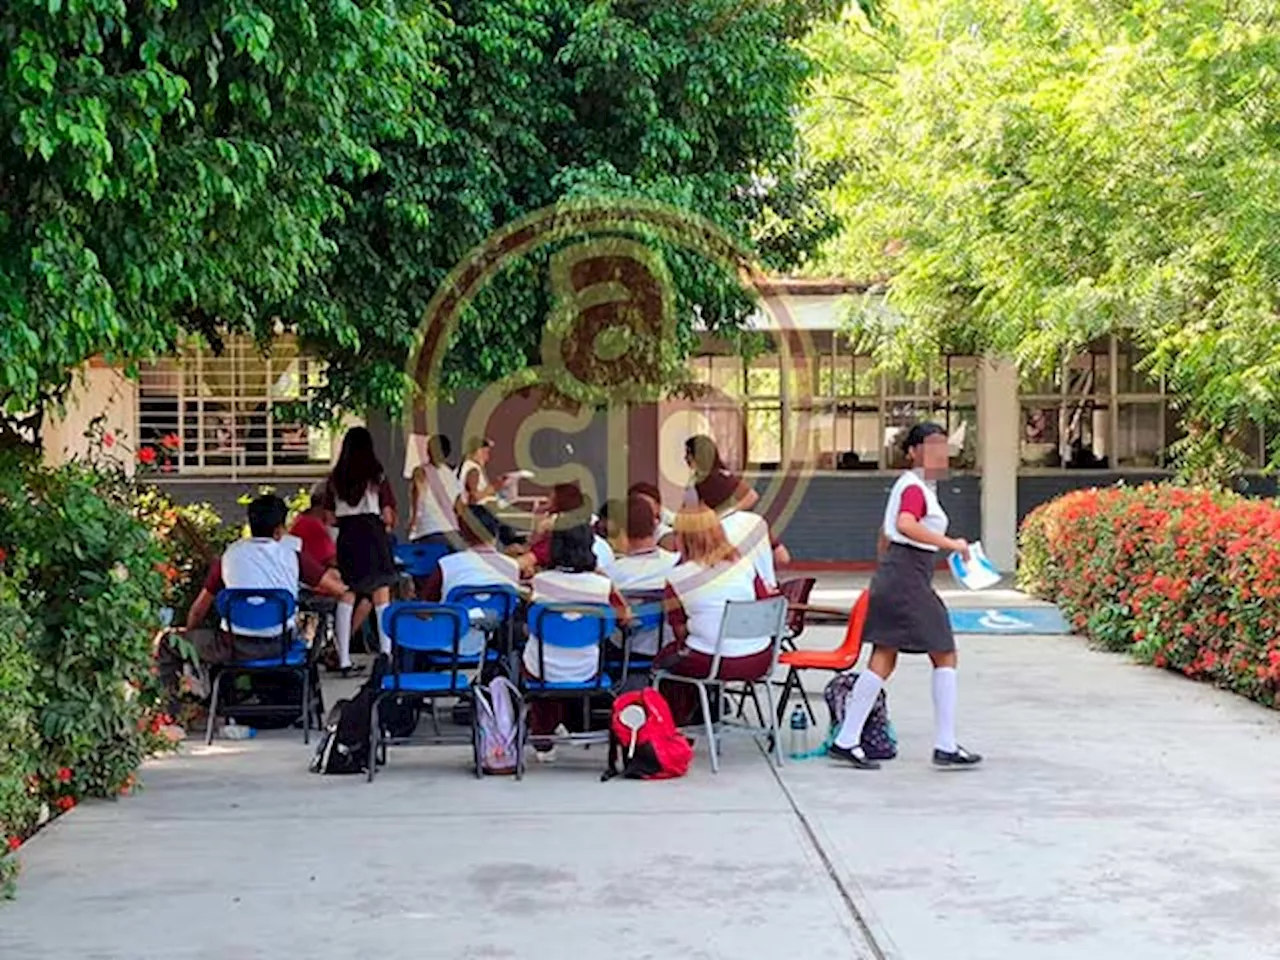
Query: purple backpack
879, 741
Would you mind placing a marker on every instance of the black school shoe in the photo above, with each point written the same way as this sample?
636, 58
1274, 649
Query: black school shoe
853, 755
959, 758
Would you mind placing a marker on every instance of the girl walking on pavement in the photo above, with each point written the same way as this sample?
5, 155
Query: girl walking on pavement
905, 614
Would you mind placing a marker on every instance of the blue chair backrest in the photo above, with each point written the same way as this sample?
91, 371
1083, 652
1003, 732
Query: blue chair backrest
256, 612
420, 559
498, 600
572, 624
417, 627
648, 610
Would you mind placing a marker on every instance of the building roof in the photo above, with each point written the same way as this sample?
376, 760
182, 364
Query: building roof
816, 286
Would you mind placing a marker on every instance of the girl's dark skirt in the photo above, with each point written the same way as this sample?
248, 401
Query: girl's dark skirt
904, 612
364, 554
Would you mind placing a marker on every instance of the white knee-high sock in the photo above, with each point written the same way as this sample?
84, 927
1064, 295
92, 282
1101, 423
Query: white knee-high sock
384, 641
342, 632
858, 706
944, 709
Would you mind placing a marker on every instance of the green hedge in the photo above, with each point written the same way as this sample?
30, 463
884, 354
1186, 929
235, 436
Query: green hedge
1183, 578
84, 580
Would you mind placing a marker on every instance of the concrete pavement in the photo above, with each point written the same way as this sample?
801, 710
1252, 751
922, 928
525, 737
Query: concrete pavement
1123, 813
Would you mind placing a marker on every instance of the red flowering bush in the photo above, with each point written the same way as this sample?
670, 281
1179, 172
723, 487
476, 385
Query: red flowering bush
1184, 578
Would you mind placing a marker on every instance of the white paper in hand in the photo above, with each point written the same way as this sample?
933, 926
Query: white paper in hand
979, 573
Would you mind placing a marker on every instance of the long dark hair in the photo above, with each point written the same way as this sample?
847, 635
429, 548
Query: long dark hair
571, 548
358, 467
702, 450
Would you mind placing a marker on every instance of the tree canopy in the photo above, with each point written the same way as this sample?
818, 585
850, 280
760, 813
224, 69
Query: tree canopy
179, 167
1029, 174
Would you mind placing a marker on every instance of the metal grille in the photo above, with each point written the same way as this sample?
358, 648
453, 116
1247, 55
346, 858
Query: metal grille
228, 414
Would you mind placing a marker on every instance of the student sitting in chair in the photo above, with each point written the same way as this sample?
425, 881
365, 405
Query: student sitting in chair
643, 566
264, 561
482, 564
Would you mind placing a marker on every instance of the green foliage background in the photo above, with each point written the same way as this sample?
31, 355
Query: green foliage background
180, 167
1029, 175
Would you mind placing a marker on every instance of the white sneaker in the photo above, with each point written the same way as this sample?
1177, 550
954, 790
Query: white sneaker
546, 756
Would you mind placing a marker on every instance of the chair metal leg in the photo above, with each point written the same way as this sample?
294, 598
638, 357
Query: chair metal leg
375, 738
772, 723
785, 696
306, 706
749, 690
709, 725
521, 738
213, 707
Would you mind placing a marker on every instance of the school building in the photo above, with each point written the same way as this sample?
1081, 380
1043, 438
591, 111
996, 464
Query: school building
808, 422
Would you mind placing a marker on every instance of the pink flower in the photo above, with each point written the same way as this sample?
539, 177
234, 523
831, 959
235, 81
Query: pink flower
108, 440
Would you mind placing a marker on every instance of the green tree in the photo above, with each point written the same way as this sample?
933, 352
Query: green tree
182, 167
172, 166
1028, 175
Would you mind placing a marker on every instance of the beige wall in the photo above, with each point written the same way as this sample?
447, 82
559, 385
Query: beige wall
999, 421
98, 392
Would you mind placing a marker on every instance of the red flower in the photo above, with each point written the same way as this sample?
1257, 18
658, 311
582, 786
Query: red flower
15, 843
64, 775
108, 440
65, 803
170, 441
147, 455
4, 555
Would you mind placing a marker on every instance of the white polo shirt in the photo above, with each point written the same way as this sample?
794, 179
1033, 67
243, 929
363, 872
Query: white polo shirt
643, 571
935, 518
566, 664
749, 533
261, 563
477, 567
435, 502
703, 592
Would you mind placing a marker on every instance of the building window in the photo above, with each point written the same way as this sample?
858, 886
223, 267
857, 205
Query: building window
1101, 410
818, 404
230, 413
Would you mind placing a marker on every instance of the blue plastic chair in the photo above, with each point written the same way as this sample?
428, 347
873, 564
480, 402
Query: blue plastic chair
426, 662
498, 603
257, 615
648, 612
573, 626
420, 559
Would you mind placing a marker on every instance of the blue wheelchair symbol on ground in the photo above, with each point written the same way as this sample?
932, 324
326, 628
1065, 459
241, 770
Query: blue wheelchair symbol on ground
1018, 620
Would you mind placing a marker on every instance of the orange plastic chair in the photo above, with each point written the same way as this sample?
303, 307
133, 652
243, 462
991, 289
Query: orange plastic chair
837, 660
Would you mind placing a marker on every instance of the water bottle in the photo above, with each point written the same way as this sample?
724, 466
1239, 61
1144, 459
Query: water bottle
799, 736
233, 731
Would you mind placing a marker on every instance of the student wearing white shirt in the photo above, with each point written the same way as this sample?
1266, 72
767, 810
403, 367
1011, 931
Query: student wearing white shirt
266, 560
572, 578
437, 494
643, 566
481, 564
905, 614
748, 532
711, 574
664, 532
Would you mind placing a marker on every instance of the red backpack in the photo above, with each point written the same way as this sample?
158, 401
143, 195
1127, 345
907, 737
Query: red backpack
656, 749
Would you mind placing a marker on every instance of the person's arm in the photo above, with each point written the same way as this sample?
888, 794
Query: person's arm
418, 483
882, 544
781, 555
748, 497
330, 584
913, 529
668, 541
620, 606
677, 617
387, 500
199, 609
208, 592
431, 587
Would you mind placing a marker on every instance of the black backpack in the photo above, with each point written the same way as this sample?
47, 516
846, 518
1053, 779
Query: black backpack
344, 747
